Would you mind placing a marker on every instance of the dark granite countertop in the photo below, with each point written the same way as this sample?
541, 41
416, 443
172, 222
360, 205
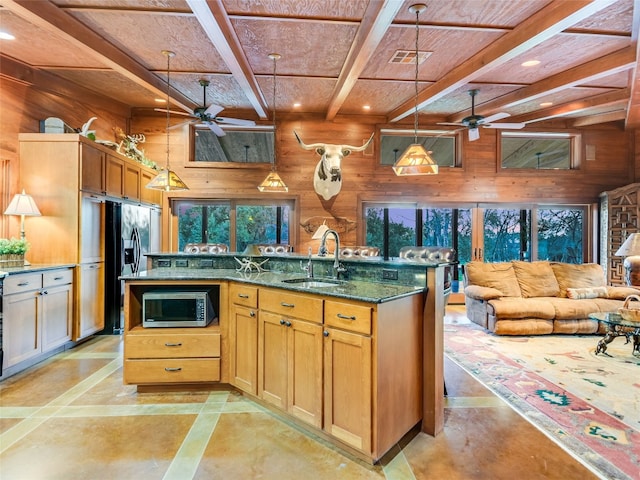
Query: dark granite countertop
33, 268
372, 292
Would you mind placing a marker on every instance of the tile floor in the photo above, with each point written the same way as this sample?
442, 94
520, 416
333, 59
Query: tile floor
71, 417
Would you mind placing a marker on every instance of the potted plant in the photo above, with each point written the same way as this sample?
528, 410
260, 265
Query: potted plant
12, 252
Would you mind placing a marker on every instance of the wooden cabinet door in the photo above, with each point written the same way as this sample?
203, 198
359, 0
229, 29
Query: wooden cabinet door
305, 371
21, 327
114, 176
149, 195
132, 182
92, 167
92, 229
272, 359
243, 341
91, 300
57, 316
347, 388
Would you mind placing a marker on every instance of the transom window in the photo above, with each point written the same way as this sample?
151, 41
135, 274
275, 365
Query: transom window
239, 145
441, 145
539, 151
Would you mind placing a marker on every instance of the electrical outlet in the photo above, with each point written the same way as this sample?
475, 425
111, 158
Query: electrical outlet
182, 263
206, 263
388, 274
164, 263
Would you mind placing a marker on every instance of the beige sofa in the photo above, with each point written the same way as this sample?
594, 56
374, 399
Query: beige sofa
535, 298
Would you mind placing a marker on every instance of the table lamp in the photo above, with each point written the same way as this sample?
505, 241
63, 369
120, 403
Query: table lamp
23, 205
630, 249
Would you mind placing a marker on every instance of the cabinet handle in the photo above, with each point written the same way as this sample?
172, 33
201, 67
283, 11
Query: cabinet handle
282, 321
23, 284
58, 278
172, 344
243, 295
290, 305
252, 313
346, 317
287, 323
172, 369
44, 292
325, 333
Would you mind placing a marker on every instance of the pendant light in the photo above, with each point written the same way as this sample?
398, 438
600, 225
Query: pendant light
167, 179
273, 182
415, 160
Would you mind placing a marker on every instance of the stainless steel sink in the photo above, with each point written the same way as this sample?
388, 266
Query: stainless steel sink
312, 283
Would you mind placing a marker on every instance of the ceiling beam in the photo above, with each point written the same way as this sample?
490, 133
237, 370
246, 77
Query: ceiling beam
619, 61
49, 17
374, 25
601, 118
216, 23
633, 106
618, 97
543, 25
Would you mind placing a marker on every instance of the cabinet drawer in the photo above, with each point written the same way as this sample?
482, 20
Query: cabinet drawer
245, 295
22, 283
306, 307
355, 318
172, 370
57, 277
172, 345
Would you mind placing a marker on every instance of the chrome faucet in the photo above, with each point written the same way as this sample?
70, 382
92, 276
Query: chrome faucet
309, 266
338, 268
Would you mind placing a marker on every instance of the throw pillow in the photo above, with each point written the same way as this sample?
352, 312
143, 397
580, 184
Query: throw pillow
500, 276
583, 275
536, 279
593, 292
621, 293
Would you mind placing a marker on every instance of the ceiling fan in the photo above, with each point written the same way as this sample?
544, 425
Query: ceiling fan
208, 116
473, 121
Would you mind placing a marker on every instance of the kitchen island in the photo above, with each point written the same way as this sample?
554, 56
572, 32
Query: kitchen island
353, 361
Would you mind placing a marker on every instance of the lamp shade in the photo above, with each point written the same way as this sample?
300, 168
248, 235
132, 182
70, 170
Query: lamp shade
322, 229
167, 180
415, 160
22, 204
273, 183
631, 246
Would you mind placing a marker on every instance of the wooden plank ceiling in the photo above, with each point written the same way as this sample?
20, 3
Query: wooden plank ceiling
336, 56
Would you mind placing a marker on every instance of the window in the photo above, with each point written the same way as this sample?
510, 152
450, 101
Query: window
239, 145
390, 228
540, 151
236, 223
442, 146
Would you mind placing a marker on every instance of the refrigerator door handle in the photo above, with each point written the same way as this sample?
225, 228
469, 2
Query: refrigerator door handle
135, 240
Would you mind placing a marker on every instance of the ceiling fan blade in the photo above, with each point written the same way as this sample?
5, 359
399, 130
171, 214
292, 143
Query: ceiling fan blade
235, 121
174, 112
450, 123
181, 124
213, 110
506, 126
215, 128
474, 134
494, 117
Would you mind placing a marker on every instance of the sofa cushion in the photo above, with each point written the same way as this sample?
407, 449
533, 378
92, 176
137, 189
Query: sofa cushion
536, 279
506, 308
578, 276
568, 309
500, 276
621, 293
591, 292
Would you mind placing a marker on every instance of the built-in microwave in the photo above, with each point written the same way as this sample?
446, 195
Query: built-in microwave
168, 308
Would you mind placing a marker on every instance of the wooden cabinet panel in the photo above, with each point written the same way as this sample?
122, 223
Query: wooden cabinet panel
355, 318
21, 327
22, 283
272, 359
114, 176
132, 181
149, 195
295, 305
57, 316
166, 343
171, 370
245, 295
90, 294
243, 341
92, 170
347, 388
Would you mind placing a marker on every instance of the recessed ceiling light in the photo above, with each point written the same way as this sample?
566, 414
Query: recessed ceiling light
296, 105
160, 100
366, 107
6, 36
530, 63
546, 104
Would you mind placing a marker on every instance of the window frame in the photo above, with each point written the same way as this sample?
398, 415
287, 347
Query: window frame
422, 132
575, 160
193, 163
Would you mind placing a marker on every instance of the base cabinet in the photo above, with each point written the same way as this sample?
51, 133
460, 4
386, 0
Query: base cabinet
243, 337
90, 294
37, 314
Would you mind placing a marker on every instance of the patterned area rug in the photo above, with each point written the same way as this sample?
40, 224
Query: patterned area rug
588, 403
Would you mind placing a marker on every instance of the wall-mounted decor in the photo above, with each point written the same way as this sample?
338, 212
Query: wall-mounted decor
339, 224
327, 178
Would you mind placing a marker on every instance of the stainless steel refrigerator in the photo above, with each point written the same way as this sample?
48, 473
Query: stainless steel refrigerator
132, 231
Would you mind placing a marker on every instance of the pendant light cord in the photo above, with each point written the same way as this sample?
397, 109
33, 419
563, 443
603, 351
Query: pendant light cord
169, 54
415, 114
274, 57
